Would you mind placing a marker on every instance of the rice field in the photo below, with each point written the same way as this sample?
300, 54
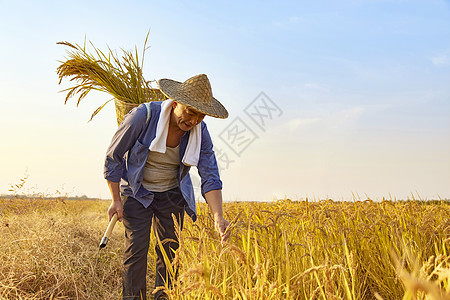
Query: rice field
280, 250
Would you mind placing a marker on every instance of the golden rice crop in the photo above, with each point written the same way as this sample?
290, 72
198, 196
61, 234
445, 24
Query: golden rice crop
119, 76
279, 250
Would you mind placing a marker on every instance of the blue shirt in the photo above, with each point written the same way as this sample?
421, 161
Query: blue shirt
128, 152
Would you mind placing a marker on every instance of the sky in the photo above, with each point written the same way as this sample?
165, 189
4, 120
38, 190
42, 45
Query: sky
327, 99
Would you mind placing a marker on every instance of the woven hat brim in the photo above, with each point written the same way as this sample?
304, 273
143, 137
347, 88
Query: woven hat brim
171, 89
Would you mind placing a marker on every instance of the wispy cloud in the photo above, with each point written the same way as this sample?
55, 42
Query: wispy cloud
350, 114
330, 120
314, 86
441, 59
287, 22
300, 123
293, 20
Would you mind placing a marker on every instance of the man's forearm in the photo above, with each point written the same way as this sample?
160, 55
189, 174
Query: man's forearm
214, 200
114, 189
116, 203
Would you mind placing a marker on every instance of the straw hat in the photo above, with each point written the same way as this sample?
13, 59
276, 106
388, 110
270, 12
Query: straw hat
195, 92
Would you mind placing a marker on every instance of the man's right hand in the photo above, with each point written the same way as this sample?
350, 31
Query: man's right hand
115, 207
116, 203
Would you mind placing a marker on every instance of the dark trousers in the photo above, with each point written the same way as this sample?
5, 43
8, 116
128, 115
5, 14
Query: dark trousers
138, 221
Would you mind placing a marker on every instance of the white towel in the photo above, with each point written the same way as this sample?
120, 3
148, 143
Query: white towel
192, 153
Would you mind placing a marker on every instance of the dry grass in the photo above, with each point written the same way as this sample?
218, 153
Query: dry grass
282, 250
49, 251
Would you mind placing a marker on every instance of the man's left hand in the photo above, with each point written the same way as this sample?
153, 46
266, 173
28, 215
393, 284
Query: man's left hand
221, 226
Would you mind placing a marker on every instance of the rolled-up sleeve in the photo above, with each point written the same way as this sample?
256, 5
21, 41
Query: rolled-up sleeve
122, 141
207, 165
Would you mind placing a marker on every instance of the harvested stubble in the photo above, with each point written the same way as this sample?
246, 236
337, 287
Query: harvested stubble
282, 250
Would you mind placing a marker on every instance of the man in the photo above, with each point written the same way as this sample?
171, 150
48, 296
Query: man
150, 156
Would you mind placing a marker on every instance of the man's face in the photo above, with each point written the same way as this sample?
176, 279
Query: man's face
185, 116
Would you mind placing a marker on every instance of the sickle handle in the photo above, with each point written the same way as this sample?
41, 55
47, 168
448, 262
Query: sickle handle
108, 231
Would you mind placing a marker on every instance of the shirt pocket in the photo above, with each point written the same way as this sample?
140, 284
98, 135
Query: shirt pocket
137, 157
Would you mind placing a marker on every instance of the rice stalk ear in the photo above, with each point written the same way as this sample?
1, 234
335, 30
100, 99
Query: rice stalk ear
144, 48
169, 266
120, 76
84, 92
99, 109
177, 228
67, 44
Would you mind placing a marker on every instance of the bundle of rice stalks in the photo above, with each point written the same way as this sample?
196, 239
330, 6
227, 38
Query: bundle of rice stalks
122, 77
